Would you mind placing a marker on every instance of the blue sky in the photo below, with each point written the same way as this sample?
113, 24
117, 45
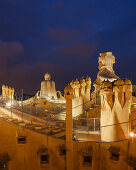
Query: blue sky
65, 39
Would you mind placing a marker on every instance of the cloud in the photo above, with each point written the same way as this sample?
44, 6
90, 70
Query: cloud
29, 76
77, 50
60, 34
26, 76
21, 75
57, 5
8, 53
10, 49
46, 66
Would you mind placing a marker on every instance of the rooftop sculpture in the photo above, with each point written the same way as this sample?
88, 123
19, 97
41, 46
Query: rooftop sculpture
106, 72
48, 89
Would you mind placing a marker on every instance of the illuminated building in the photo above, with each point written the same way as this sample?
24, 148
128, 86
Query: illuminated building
92, 137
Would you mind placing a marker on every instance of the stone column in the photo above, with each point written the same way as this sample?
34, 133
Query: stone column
6, 91
9, 92
82, 87
69, 96
88, 88
12, 93
77, 86
87, 92
3, 90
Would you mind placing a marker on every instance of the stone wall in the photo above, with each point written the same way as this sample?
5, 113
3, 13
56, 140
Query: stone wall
27, 156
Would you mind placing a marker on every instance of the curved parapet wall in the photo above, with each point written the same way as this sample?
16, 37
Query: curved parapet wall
115, 108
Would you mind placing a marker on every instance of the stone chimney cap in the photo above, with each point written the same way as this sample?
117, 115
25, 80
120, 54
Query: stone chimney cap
47, 76
68, 90
88, 78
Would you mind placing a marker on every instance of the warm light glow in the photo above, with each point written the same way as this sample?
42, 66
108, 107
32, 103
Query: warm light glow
132, 134
8, 104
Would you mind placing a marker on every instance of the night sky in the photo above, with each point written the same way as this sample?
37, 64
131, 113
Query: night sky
64, 38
